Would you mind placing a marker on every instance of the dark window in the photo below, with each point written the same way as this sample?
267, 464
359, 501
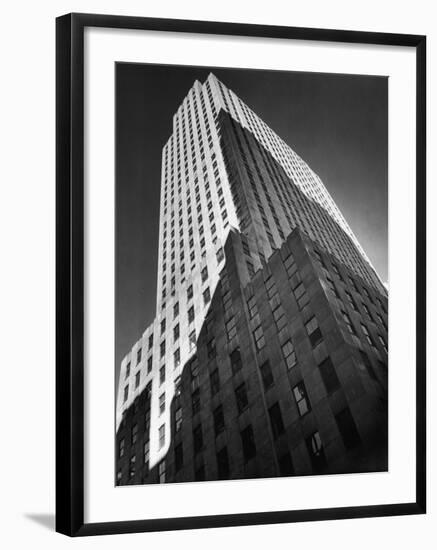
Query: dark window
162, 403
149, 364
178, 419
121, 448
313, 331
176, 332
134, 434
276, 420
236, 363
219, 420
127, 370
191, 315
348, 429
132, 461
210, 346
214, 379
178, 457
197, 439
195, 401
137, 379
241, 397
316, 452
162, 374
302, 401
176, 310
286, 465
206, 296
190, 292
223, 464
329, 375
162, 348
248, 442
266, 375
139, 355
126, 393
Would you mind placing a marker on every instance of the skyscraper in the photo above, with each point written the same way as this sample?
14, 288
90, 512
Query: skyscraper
234, 198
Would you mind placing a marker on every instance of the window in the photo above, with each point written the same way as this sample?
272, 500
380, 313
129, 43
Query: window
197, 439
206, 296
126, 393
219, 420
161, 471
127, 371
276, 420
367, 335
195, 401
178, 457
231, 328
314, 332
178, 419
191, 315
301, 398
286, 465
241, 397
146, 452
119, 476
162, 326
204, 274
121, 448
347, 428
210, 347
149, 364
351, 301
162, 403
367, 364
162, 375
266, 375
316, 452
176, 332
383, 342
289, 354
214, 380
329, 375
137, 379
192, 339
190, 292
220, 255
162, 348
139, 355
248, 443
147, 422
161, 434
134, 434
300, 295
348, 323
258, 336
236, 362
177, 358
132, 461
223, 464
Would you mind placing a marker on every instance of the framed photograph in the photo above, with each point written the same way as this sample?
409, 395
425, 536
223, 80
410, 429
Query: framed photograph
240, 274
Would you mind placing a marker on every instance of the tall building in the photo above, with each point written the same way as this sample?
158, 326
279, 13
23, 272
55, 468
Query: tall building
268, 353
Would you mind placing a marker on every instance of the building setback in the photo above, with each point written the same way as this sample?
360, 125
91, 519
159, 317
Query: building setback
268, 354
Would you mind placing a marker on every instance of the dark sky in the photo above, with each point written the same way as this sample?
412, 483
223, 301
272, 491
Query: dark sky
336, 123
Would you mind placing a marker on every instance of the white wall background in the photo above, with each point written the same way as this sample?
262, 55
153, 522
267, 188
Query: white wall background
27, 124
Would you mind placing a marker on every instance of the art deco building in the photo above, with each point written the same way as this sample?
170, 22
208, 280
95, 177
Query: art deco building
268, 353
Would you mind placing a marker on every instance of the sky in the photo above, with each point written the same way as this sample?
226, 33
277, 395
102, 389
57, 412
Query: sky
337, 123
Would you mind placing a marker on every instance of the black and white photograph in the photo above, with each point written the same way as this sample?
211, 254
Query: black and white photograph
251, 325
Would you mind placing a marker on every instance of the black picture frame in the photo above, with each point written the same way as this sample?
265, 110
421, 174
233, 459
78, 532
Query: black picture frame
70, 273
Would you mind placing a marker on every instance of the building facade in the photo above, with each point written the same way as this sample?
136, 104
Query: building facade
250, 236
